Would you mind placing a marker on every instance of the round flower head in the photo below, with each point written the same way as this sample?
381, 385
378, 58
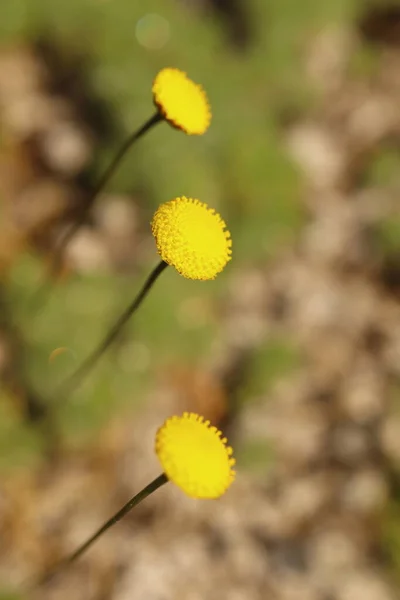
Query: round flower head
194, 456
191, 237
181, 102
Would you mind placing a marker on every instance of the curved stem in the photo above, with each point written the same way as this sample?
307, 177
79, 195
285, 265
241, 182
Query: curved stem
109, 172
71, 231
149, 489
71, 384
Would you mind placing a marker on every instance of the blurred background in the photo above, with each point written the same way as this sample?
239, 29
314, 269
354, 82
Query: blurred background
294, 350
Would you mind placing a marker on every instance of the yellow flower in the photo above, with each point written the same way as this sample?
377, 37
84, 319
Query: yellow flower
181, 102
191, 237
194, 456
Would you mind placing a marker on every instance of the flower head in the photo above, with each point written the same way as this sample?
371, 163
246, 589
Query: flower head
181, 102
194, 456
191, 237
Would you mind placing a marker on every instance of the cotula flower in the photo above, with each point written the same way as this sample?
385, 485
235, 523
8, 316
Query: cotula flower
181, 102
193, 455
192, 237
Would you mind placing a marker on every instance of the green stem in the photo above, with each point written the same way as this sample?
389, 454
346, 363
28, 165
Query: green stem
126, 146
73, 382
71, 231
149, 489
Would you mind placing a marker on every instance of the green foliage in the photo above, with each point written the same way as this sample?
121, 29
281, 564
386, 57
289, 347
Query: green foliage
384, 168
255, 455
4, 595
388, 236
364, 62
275, 360
391, 535
20, 445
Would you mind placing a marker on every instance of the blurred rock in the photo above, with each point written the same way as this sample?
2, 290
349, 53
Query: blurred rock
373, 119
42, 205
366, 585
298, 435
120, 222
319, 153
334, 550
390, 438
337, 236
66, 148
328, 58
365, 492
87, 252
350, 444
303, 498
21, 74
364, 393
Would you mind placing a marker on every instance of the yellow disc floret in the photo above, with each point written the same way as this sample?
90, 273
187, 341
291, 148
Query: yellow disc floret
181, 102
194, 456
191, 237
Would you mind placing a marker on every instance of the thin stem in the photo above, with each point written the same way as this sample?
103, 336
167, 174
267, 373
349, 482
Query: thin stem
70, 232
149, 489
71, 384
